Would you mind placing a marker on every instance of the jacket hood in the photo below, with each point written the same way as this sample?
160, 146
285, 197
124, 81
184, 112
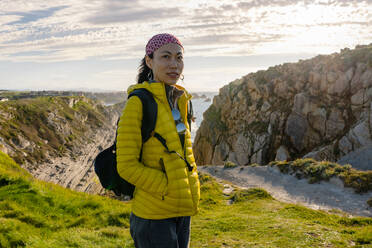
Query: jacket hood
157, 89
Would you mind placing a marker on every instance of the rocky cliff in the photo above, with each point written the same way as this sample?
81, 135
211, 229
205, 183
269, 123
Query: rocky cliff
57, 138
319, 108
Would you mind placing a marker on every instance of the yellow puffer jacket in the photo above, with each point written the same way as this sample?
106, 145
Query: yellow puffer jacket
165, 187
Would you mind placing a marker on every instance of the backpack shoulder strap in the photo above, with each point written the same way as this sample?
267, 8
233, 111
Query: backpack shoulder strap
149, 112
190, 113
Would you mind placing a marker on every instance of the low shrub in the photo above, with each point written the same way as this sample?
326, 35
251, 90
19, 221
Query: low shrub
369, 202
229, 164
316, 171
203, 178
250, 194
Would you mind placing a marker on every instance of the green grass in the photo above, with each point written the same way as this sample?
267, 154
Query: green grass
255, 219
249, 194
40, 214
50, 119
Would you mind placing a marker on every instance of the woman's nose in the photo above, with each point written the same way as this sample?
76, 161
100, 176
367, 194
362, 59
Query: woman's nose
173, 63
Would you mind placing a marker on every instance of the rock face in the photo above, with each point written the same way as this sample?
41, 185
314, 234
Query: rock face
57, 138
319, 108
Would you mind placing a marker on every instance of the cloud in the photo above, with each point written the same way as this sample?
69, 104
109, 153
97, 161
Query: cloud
205, 26
122, 16
329, 24
342, 23
347, 3
284, 3
34, 53
86, 42
116, 29
267, 3
115, 11
44, 33
233, 39
33, 15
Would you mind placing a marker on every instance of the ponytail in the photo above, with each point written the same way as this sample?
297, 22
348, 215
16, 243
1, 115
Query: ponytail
144, 71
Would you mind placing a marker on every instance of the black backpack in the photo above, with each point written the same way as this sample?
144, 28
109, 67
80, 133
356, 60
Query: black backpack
105, 162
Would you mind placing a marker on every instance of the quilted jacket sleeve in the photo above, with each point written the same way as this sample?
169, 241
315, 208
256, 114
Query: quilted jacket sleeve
129, 142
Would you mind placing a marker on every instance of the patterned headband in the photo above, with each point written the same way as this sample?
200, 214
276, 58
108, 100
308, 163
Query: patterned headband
160, 40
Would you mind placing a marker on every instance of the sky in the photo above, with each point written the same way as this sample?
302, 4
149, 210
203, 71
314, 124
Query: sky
98, 44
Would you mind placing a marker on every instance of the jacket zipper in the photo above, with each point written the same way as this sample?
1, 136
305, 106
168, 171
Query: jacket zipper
184, 148
184, 144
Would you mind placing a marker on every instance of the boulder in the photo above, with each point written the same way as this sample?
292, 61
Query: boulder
335, 124
296, 129
370, 117
345, 146
356, 84
360, 159
232, 157
303, 104
204, 153
368, 95
281, 89
315, 78
258, 157
366, 78
358, 97
242, 149
317, 120
324, 84
340, 86
282, 154
221, 151
323, 153
332, 77
360, 135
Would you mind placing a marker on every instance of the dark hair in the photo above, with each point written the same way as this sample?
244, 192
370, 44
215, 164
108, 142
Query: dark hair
144, 70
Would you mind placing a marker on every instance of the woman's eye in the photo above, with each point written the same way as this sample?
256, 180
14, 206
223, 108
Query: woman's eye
166, 56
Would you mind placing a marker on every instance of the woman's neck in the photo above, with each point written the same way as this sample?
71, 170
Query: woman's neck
172, 94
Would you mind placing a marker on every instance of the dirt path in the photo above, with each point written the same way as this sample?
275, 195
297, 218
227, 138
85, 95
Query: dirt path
286, 188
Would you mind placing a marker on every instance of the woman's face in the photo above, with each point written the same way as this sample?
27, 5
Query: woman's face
167, 63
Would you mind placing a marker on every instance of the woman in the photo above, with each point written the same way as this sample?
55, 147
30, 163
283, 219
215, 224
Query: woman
167, 186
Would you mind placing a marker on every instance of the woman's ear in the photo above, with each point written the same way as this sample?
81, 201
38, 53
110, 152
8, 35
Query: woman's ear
148, 62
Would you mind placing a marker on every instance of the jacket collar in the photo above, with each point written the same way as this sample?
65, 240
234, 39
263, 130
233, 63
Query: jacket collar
158, 90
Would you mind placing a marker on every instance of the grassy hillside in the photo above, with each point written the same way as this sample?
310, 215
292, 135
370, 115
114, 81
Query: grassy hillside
37, 127
39, 214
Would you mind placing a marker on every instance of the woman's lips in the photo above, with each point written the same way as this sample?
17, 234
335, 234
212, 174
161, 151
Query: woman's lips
173, 75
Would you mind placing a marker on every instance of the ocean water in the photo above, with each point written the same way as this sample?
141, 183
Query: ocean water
200, 105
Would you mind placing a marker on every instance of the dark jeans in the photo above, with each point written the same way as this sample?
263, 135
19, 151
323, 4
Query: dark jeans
166, 233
